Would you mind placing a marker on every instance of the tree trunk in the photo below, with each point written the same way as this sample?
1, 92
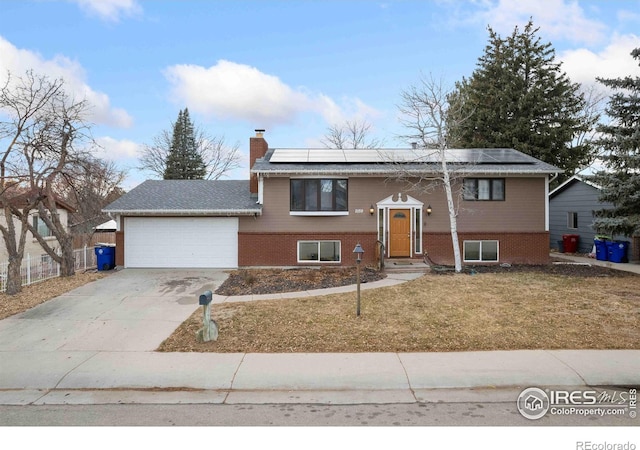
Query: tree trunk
15, 247
67, 262
14, 276
453, 222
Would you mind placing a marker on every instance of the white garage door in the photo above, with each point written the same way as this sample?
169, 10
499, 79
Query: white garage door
181, 242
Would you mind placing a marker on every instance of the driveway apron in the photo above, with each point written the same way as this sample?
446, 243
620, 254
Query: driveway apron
129, 310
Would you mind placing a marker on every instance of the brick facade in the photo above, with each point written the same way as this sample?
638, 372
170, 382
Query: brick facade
120, 248
257, 149
514, 248
280, 249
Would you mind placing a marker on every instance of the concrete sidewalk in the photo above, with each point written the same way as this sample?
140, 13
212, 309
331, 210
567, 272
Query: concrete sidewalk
148, 377
96, 345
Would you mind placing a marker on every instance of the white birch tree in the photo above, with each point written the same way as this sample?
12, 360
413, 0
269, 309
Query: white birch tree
425, 110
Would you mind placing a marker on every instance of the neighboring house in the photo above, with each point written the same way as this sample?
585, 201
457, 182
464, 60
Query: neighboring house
106, 227
571, 211
311, 207
32, 247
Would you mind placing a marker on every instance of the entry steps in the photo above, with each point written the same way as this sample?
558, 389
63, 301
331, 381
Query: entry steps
405, 265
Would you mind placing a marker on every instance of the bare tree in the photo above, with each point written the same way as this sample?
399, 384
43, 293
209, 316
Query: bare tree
93, 185
23, 103
351, 134
45, 135
218, 156
593, 110
58, 148
425, 110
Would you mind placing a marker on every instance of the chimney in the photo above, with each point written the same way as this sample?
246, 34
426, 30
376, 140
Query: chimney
414, 145
257, 149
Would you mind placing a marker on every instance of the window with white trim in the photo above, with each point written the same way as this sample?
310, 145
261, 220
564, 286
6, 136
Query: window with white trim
318, 251
318, 195
480, 251
417, 230
41, 227
572, 220
483, 189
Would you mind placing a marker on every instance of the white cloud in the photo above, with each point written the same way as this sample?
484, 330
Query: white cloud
229, 90
110, 10
614, 61
557, 19
18, 61
113, 149
628, 16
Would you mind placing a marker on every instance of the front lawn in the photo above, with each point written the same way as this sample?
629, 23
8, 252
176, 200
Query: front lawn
515, 309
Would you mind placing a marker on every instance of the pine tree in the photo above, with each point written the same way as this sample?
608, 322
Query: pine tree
518, 97
184, 161
621, 144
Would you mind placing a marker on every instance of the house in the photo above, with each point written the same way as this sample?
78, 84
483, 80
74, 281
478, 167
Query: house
32, 247
106, 227
311, 207
533, 403
571, 211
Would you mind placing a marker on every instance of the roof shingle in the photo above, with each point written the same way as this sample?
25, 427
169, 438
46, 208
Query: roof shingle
187, 197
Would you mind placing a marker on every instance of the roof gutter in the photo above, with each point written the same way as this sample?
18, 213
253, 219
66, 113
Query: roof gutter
186, 212
417, 172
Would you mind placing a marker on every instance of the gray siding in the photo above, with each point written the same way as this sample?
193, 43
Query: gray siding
578, 197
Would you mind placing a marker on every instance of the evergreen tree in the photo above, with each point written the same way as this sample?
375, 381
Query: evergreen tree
518, 97
184, 161
621, 144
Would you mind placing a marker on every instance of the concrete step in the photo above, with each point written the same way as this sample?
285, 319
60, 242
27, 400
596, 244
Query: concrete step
405, 266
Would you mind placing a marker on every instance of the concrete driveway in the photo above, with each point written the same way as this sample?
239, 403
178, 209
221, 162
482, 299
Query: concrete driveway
130, 310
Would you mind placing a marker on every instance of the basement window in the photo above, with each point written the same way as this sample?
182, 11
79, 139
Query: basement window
318, 251
480, 251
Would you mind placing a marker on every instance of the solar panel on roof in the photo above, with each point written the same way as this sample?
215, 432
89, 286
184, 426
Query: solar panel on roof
289, 155
457, 156
326, 155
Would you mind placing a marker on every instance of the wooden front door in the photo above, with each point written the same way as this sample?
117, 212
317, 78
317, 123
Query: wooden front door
400, 233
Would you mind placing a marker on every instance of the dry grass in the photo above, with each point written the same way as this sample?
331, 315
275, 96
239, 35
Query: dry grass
435, 313
41, 292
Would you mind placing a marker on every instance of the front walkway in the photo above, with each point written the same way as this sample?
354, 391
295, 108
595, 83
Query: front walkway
633, 267
390, 280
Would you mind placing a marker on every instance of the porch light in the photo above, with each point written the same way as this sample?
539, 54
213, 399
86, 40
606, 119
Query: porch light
371, 209
358, 251
429, 210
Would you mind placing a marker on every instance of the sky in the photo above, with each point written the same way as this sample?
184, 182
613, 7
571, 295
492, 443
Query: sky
293, 68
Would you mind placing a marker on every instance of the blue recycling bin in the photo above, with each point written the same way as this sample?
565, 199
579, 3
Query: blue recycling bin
105, 257
602, 251
617, 251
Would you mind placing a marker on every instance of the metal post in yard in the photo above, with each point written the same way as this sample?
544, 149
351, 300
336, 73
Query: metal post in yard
358, 251
28, 269
209, 331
